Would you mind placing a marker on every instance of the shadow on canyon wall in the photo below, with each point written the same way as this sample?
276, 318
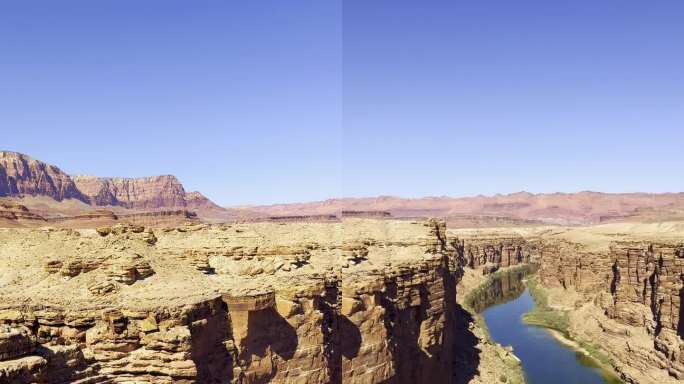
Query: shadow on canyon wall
267, 329
680, 325
466, 357
403, 330
420, 357
63, 367
332, 335
350, 340
213, 360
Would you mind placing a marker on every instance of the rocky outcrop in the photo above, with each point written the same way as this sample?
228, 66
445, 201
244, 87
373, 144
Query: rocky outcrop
247, 303
14, 213
23, 175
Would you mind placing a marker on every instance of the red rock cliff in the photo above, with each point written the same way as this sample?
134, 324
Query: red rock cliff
142, 193
23, 175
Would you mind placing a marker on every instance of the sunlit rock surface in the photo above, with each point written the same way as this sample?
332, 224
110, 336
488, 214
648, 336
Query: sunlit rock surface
357, 301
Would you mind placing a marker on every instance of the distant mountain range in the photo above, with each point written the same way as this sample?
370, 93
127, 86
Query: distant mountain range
22, 176
512, 209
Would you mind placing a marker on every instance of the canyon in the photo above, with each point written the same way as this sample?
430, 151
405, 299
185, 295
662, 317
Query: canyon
616, 289
348, 301
135, 280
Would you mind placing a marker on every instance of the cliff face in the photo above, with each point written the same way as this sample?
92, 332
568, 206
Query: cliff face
631, 289
493, 249
23, 175
397, 323
143, 193
20, 175
356, 302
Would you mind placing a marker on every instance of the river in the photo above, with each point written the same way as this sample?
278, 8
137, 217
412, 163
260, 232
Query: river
544, 359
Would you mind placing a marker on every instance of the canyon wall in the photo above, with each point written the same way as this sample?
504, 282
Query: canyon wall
491, 249
357, 301
353, 301
621, 287
397, 319
629, 289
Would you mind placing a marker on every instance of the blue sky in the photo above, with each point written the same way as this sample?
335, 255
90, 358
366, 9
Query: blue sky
273, 101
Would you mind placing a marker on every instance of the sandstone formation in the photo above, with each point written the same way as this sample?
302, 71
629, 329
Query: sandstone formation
143, 193
196, 201
23, 175
15, 215
352, 301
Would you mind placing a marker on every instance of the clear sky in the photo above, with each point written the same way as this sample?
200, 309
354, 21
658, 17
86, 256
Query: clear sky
279, 101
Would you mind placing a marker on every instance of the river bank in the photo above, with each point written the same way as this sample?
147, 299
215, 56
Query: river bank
556, 320
531, 350
497, 363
